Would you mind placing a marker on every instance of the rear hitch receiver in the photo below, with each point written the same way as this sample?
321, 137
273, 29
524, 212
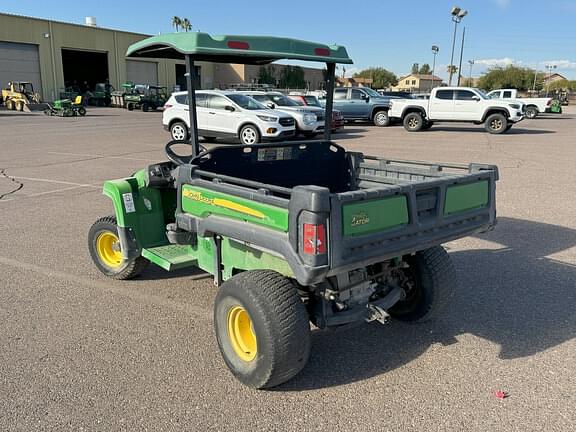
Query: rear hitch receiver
376, 313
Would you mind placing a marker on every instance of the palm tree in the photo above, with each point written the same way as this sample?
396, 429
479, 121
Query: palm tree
186, 25
176, 22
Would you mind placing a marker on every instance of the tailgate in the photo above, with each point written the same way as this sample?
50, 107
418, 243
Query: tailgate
371, 225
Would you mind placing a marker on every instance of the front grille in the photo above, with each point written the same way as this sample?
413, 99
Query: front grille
286, 121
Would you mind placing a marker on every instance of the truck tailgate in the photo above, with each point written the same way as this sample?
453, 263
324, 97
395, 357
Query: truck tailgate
402, 207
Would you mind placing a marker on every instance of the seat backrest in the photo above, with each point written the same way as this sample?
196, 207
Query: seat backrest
78, 100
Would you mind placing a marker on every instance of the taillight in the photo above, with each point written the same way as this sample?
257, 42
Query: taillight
314, 239
166, 106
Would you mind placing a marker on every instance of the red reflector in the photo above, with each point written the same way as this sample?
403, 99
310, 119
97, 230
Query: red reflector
238, 45
314, 239
322, 51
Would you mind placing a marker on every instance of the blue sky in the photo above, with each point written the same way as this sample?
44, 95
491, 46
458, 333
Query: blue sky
376, 33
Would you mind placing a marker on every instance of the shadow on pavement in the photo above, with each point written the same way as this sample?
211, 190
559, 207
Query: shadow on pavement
515, 297
513, 131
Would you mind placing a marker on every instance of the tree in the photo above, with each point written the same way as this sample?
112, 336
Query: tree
563, 85
511, 76
425, 69
452, 69
414, 70
186, 25
381, 78
176, 22
292, 77
266, 75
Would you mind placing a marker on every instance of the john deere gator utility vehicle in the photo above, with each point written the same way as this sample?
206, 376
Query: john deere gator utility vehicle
296, 232
145, 97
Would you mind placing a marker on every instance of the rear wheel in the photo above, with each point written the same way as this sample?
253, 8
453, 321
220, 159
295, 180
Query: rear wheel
531, 112
413, 122
19, 106
82, 111
381, 118
105, 250
179, 131
130, 106
144, 107
10, 105
429, 282
262, 328
249, 135
496, 123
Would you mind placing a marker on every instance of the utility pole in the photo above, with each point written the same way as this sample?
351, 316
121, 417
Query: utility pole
461, 54
435, 50
457, 15
471, 63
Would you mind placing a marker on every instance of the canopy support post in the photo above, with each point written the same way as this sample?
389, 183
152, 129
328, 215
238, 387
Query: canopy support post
190, 83
330, 78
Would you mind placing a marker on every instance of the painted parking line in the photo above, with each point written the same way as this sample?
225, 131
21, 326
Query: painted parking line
56, 181
103, 156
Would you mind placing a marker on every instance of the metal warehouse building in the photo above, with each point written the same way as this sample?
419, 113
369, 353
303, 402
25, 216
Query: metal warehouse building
53, 55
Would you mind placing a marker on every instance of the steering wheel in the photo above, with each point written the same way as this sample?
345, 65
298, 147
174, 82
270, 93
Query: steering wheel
179, 159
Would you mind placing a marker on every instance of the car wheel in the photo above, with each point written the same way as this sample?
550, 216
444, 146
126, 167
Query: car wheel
531, 112
130, 106
179, 131
413, 122
249, 135
496, 123
429, 283
381, 119
262, 328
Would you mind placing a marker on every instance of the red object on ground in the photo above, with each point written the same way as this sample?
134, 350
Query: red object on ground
501, 394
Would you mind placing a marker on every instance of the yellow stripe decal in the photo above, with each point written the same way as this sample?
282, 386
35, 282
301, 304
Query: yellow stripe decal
238, 207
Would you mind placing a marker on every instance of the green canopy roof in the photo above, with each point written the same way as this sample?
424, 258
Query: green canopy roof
236, 48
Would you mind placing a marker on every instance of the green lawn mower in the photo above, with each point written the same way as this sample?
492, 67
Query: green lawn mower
66, 108
295, 232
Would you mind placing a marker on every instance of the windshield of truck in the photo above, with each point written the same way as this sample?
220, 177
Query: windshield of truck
246, 102
372, 93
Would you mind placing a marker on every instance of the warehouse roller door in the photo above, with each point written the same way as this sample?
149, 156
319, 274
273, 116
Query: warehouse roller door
142, 72
20, 62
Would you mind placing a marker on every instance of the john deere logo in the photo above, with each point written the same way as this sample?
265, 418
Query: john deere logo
360, 219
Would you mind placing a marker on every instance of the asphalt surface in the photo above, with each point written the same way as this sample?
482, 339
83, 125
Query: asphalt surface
79, 351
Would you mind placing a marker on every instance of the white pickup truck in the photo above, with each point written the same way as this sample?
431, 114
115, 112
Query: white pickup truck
457, 104
534, 106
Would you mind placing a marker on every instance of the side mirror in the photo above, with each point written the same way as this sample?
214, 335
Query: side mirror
476, 98
271, 105
365, 97
229, 108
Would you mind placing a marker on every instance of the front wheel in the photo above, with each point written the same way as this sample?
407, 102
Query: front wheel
496, 123
19, 106
249, 135
413, 122
429, 283
262, 328
179, 131
531, 112
10, 105
381, 119
105, 250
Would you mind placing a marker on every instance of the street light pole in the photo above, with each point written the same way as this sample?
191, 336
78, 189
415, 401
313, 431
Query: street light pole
549, 67
435, 50
457, 15
471, 63
461, 55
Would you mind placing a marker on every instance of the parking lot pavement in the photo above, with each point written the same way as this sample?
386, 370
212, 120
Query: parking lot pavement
82, 352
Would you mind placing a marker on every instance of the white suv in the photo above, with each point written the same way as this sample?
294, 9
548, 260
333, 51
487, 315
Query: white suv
309, 119
223, 114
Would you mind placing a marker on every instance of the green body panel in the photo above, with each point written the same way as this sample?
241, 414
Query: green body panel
236, 48
461, 198
366, 217
145, 210
203, 202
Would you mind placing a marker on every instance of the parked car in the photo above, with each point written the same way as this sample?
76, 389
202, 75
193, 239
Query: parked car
397, 94
534, 106
362, 103
226, 115
309, 120
457, 104
311, 100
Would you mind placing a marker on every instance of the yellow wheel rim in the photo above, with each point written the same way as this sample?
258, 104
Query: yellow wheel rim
241, 334
108, 249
